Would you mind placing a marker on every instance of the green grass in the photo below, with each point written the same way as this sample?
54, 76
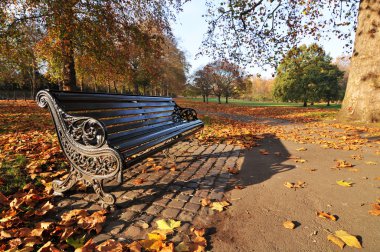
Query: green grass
267, 104
13, 175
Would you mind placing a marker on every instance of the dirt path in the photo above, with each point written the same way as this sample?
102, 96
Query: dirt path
254, 221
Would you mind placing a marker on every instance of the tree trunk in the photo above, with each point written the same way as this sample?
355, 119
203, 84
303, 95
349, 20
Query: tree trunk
204, 98
362, 98
328, 102
114, 86
219, 99
226, 99
305, 103
69, 75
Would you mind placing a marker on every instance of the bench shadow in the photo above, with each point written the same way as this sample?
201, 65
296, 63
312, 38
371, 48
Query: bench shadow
255, 166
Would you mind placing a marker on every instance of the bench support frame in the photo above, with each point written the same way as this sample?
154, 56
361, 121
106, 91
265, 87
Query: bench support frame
82, 140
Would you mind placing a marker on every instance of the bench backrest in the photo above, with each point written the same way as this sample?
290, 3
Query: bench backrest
122, 116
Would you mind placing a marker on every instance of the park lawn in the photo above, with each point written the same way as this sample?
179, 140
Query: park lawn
241, 102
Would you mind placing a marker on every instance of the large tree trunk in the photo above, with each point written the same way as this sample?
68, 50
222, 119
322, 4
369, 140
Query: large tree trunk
69, 75
65, 20
362, 99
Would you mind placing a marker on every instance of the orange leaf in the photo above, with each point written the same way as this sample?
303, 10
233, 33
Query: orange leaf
326, 216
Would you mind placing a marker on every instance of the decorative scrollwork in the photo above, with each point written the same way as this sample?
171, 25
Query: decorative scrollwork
84, 130
184, 114
83, 141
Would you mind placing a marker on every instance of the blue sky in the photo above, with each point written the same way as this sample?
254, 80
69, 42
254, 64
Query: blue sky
191, 27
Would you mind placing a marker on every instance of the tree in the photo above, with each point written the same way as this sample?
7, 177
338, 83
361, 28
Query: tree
264, 30
306, 74
73, 26
203, 82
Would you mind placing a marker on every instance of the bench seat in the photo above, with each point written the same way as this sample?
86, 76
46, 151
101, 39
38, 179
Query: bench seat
102, 134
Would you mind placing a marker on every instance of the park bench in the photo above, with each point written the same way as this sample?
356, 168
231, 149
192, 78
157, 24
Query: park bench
102, 134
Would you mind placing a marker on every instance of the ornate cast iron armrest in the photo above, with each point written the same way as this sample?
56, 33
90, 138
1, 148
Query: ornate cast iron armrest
184, 114
83, 141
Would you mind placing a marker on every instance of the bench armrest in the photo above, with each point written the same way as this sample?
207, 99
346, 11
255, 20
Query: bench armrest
184, 114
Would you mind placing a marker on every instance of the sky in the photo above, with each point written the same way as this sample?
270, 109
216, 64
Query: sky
190, 28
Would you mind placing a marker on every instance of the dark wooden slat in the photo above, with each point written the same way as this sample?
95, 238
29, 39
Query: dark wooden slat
111, 130
133, 134
122, 120
159, 148
103, 105
122, 136
149, 137
90, 97
124, 112
129, 153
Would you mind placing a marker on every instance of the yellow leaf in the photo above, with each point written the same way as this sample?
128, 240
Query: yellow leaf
371, 163
336, 240
156, 236
344, 183
289, 224
350, 240
168, 224
219, 206
289, 185
301, 149
300, 161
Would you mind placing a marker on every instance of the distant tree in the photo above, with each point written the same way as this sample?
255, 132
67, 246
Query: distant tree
203, 82
306, 74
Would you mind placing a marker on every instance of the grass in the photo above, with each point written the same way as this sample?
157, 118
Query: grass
12, 175
267, 104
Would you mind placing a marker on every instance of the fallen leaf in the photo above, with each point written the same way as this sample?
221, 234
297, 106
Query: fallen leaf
219, 206
289, 185
357, 157
182, 247
168, 224
138, 181
300, 161
344, 183
198, 231
301, 149
233, 170
289, 224
110, 245
336, 240
342, 164
156, 236
205, 202
326, 216
350, 240
239, 187
263, 152
370, 163
376, 209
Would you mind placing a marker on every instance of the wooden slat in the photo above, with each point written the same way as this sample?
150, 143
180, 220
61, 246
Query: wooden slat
128, 153
104, 105
149, 137
124, 112
111, 130
122, 136
123, 120
91, 97
159, 148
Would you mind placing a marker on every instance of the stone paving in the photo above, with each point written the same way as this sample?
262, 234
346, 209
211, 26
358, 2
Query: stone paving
201, 172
